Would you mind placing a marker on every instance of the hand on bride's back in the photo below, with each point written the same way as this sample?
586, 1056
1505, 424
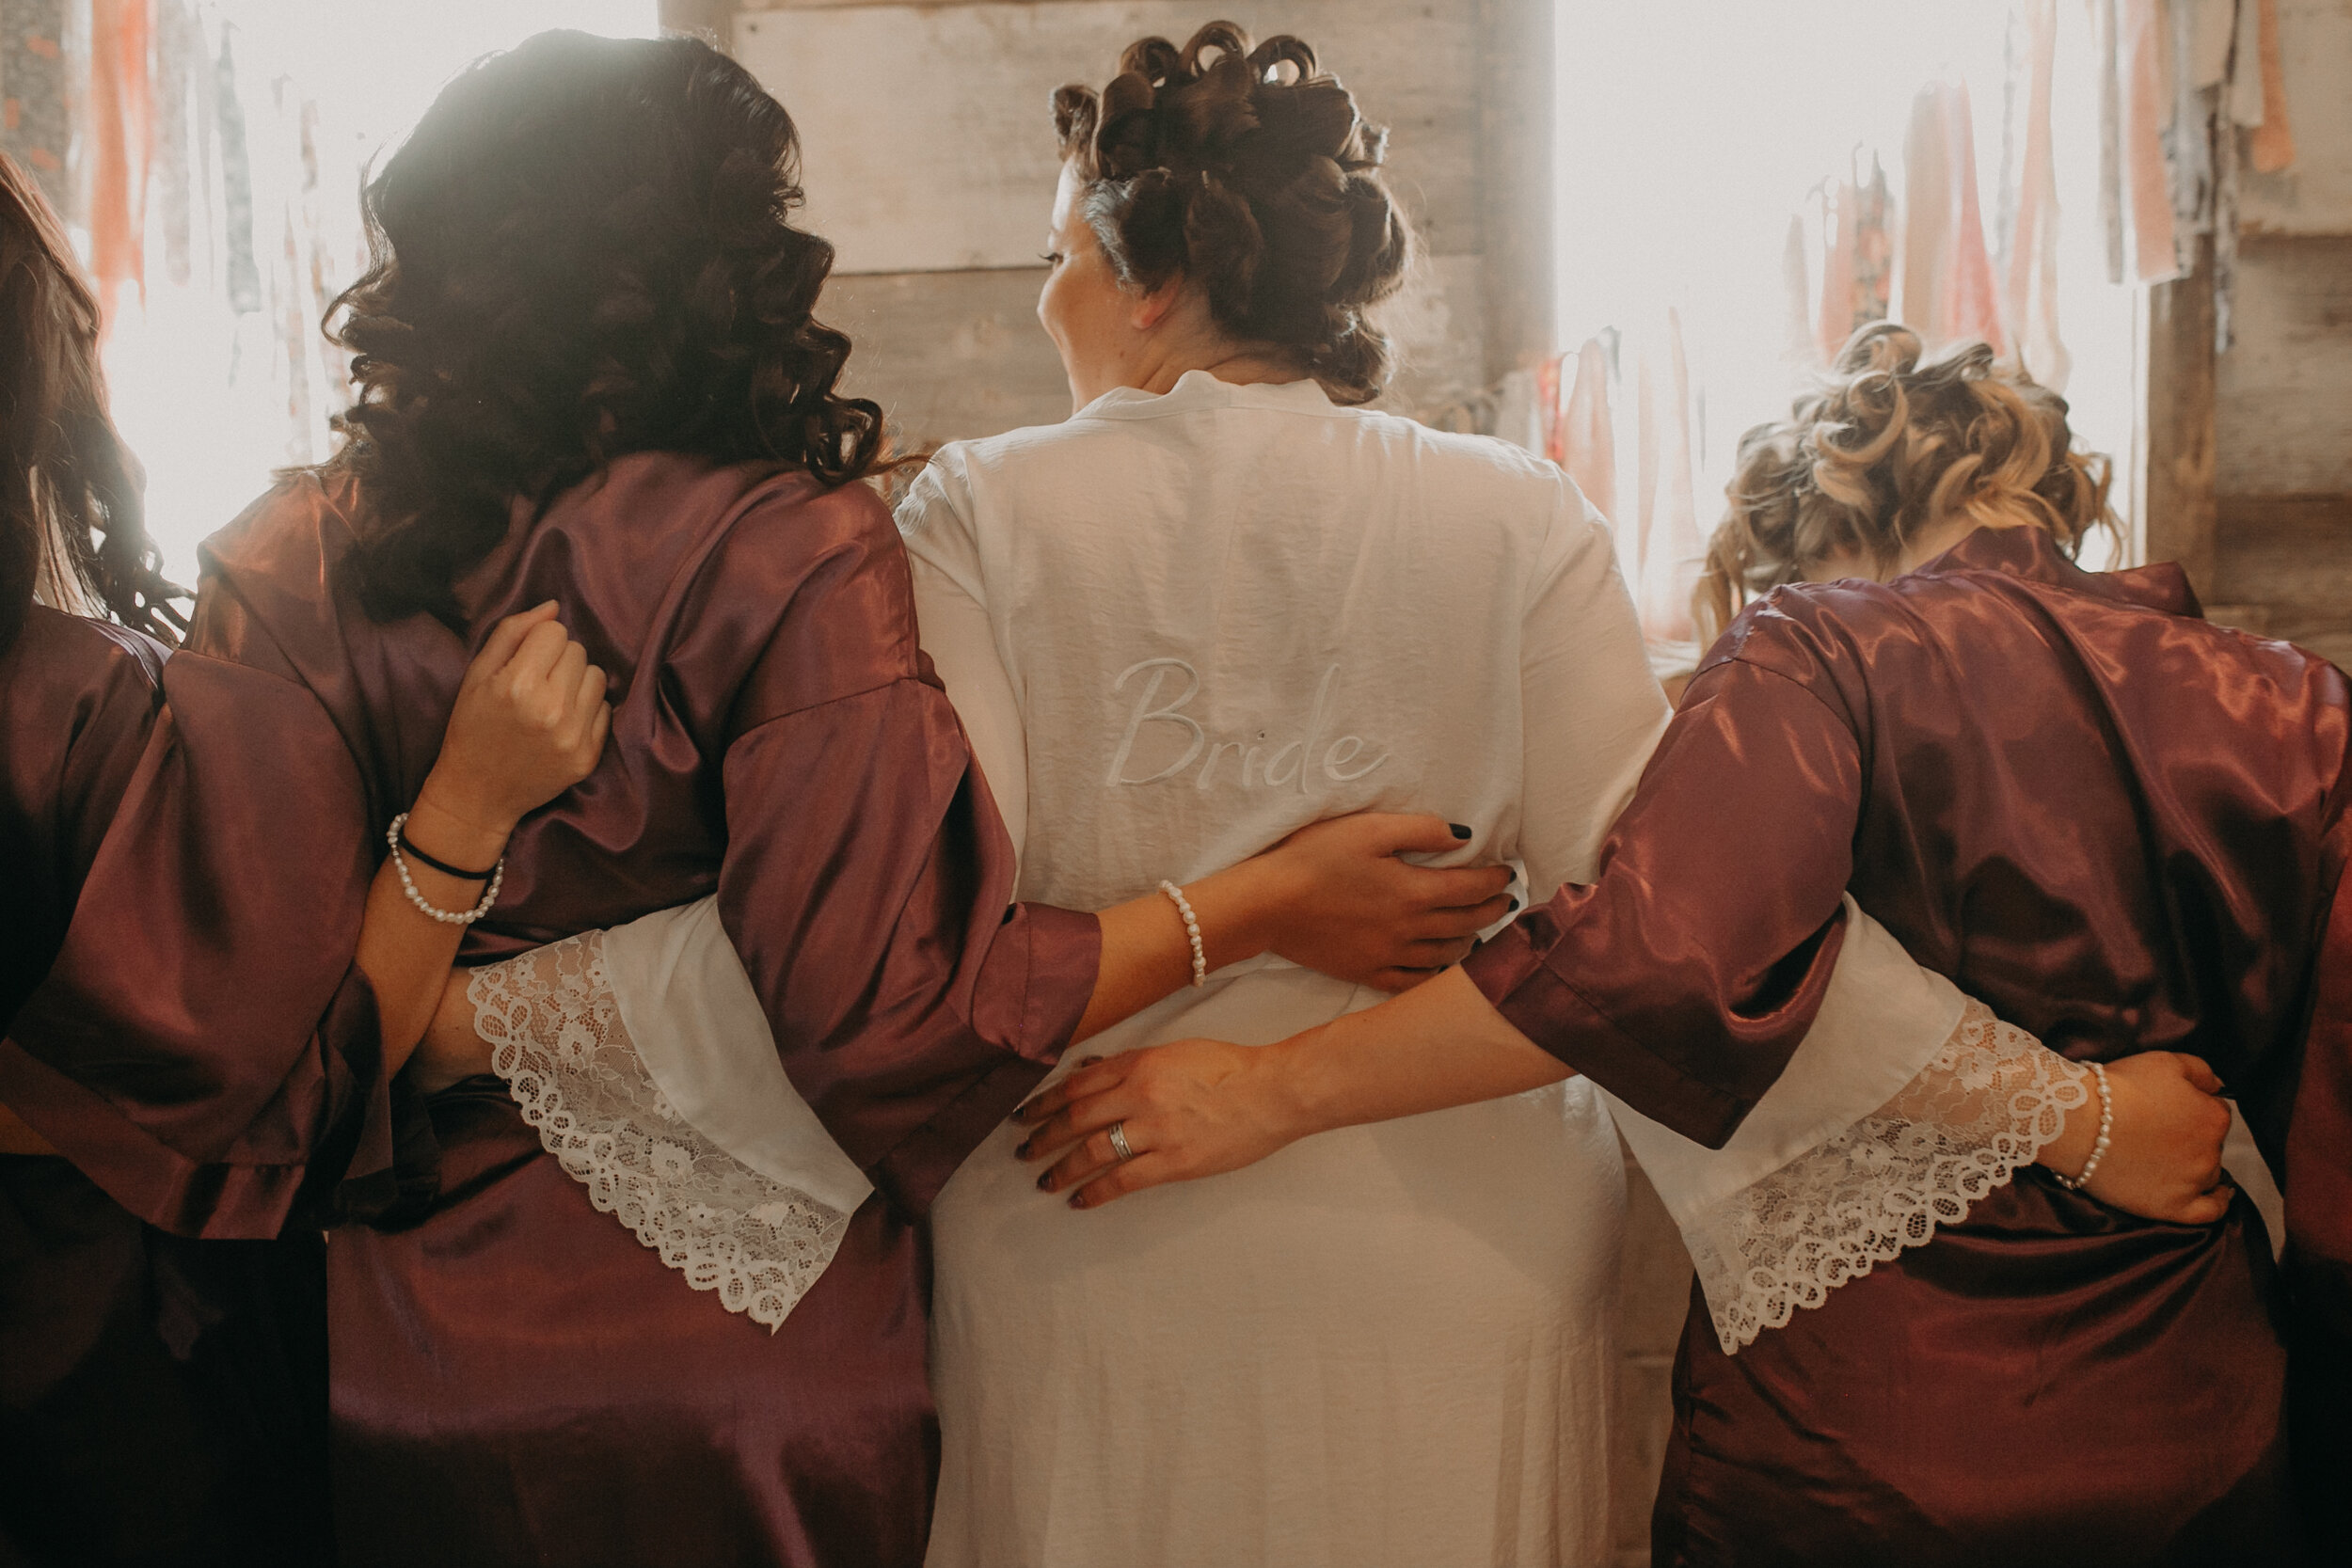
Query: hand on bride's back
1351, 908
2163, 1160
529, 721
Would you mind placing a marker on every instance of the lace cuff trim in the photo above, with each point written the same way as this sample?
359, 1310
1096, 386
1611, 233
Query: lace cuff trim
1985, 1104
557, 1038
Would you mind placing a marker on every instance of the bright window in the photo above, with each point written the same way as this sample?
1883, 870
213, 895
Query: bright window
1691, 132
216, 385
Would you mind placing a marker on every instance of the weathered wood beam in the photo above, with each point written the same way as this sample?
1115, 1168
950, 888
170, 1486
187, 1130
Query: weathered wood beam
953, 168
1515, 185
2284, 568
2177, 484
2283, 392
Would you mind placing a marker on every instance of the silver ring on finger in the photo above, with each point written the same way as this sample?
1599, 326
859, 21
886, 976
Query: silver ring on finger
1119, 1142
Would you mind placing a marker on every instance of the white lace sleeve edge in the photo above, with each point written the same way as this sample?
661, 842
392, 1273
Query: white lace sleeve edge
1985, 1107
558, 1042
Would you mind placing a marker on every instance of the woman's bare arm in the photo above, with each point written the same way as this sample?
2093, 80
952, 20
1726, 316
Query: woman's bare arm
1196, 1108
1335, 897
529, 721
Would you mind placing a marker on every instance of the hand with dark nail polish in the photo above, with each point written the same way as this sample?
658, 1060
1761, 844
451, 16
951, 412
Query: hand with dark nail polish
1349, 903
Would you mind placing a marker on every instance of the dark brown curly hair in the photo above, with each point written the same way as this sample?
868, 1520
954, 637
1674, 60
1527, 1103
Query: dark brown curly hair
70, 514
583, 251
1890, 446
1248, 172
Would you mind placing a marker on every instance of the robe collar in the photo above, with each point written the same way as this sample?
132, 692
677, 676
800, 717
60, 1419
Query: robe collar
2031, 553
1199, 389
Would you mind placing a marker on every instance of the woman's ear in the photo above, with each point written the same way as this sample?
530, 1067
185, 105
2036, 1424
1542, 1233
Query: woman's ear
1153, 305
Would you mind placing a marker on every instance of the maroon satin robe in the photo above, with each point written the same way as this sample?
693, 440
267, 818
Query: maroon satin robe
169, 949
515, 1377
2122, 829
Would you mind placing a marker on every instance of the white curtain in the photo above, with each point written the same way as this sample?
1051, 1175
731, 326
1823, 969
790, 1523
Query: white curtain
217, 151
1742, 185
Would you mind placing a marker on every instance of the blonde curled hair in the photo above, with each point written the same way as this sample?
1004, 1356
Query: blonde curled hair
1886, 450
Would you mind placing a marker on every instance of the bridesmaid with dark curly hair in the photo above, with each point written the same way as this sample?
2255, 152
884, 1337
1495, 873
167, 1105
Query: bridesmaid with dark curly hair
589, 372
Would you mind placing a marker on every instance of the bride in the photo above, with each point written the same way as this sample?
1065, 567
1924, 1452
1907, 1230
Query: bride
1230, 601
1221, 602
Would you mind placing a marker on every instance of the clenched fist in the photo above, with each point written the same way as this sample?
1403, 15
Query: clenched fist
530, 722
2164, 1162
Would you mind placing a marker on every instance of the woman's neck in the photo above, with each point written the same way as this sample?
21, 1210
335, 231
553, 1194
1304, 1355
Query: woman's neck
1238, 367
1946, 535
1169, 360
1917, 553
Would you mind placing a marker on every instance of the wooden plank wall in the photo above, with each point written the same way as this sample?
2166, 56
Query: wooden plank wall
2277, 415
2178, 421
937, 284
2282, 445
937, 141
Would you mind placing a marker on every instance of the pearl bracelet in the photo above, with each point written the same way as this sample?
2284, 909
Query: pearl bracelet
447, 917
1192, 929
2107, 1132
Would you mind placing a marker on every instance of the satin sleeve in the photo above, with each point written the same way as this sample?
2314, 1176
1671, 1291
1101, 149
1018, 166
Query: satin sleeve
868, 887
1900, 1096
1682, 978
78, 704
203, 1047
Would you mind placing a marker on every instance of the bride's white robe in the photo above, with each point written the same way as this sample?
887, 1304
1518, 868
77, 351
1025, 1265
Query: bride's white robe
1224, 613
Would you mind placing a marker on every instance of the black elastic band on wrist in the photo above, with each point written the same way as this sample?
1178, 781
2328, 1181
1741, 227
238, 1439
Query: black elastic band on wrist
409, 846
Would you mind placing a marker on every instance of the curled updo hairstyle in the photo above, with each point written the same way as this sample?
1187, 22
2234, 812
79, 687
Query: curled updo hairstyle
1887, 449
72, 524
584, 249
1247, 172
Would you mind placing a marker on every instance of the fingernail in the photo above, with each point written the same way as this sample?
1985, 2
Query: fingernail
1459, 832
1077, 1200
1022, 1153
1088, 1061
1514, 909
1046, 1183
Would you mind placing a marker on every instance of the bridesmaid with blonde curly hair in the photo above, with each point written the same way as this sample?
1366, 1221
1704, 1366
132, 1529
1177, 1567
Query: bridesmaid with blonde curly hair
2120, 826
